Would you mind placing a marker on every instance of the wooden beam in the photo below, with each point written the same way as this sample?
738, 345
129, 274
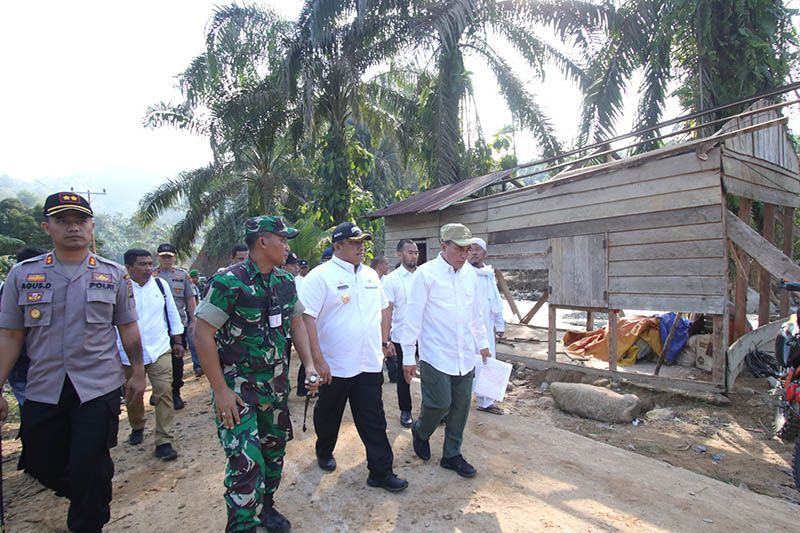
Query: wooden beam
551, 333
719, 343
762, 338
764, 253
787, 221
764, 279
535, 309
743, 272
507, 293
589, 320
613, 330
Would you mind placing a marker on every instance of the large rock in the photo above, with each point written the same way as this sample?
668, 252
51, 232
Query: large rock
598, 403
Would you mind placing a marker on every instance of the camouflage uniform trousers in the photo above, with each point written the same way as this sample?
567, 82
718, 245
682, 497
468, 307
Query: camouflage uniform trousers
254, 448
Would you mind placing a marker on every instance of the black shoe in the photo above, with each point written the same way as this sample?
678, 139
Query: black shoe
178, 402
136, 437
405, 419
389, 482
459, 464
302, 393
421, 447
152, 399
166, 452
275, 521
328, 464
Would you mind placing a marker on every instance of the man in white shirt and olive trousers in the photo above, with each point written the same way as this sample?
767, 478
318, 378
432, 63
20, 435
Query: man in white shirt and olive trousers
443, 316
344, 306
161, 329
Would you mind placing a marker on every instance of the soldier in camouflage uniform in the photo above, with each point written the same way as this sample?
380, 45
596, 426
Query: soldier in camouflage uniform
241, 338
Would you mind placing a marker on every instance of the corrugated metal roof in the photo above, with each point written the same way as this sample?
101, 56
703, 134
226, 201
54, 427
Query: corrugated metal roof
441, 197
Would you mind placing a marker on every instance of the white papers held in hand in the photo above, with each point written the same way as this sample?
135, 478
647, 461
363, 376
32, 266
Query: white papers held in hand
491, 379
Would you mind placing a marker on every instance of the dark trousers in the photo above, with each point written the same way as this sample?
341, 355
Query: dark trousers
403, 388
177, 369
392, 365
447, 396
301, 380
66, 448
366, 404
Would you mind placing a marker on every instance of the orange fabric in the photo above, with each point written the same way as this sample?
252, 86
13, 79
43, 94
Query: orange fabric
595, 343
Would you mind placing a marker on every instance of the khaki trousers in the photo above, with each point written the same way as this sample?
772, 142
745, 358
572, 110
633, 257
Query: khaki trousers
160, 374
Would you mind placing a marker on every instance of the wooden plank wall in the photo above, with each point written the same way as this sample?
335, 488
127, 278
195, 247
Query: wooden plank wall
666, 245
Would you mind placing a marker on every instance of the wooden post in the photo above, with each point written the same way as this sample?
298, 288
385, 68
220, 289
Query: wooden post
551, 333
787, 221
667, 342
764, 285
719, 342
507, 293
589, 320
742, 275
535, 309
612, 340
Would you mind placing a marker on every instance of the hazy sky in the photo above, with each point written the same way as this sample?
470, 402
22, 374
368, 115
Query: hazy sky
78, 76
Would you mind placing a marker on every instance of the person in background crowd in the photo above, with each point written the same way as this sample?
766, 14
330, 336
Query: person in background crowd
194, 276
63, 306
397, 286
380, 265
292, 266
303, 268
238, 254
327, 254
18, 377
443, 315
160, 328
344, 303
181, 286
241, 340
491, 309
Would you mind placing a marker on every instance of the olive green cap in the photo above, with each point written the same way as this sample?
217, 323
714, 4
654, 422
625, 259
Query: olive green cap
457, 233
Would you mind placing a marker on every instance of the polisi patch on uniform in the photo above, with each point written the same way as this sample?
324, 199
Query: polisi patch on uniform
34, 296
100, 285
39, 276
102, 277
49, 259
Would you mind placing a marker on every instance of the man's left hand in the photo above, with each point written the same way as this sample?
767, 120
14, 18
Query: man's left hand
389, 351
485, 354
177, 351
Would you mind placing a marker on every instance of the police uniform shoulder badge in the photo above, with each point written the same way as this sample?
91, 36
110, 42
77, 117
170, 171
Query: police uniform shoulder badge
49, 260
92, 261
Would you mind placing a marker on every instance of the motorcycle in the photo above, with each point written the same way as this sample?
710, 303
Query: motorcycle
786, 391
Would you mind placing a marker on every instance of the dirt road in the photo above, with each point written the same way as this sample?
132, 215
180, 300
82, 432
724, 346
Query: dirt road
532, 476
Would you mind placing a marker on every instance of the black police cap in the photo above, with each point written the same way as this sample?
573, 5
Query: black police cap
61, 202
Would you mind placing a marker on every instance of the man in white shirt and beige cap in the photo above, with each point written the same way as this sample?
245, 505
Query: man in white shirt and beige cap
443, 316
491, 310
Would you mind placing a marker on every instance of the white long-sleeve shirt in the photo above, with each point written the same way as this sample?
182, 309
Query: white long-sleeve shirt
443, 316
346, 303
152, 323
397, 286
491, 304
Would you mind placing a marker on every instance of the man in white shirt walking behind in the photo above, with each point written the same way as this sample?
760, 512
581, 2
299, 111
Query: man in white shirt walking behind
443, 317
161, 328
491, 310
397, 285
344, 305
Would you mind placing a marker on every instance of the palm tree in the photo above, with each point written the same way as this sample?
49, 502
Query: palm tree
234, 94
716, 50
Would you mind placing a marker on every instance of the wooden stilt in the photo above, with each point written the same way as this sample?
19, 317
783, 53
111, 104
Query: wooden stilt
551, 333
612, 340
535, 309
787, 222
764, 279
742, 276
507, 293
719, 342
589, 320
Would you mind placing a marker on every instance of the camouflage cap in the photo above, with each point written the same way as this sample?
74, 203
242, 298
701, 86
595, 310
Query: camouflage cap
271, 224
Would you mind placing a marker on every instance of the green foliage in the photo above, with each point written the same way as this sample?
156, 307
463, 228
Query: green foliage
20, 225
117, 233
311, 240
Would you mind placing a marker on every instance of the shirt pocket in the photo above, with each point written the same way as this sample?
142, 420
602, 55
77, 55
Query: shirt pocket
37, 306
443, 294
100, 306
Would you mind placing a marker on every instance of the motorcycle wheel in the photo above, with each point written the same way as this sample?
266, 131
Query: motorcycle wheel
786, 424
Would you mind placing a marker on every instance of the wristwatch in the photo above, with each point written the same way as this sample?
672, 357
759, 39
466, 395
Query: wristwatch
386, 344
